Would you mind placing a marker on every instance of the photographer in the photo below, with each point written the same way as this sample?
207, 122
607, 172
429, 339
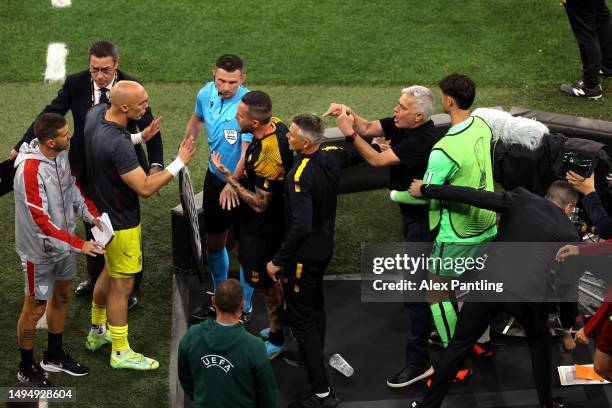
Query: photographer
592, 203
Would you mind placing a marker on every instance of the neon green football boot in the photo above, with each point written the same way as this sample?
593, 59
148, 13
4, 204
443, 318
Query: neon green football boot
132, 360
94, 341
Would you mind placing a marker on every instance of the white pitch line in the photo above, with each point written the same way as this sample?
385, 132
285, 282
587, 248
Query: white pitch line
61, 3
56, 62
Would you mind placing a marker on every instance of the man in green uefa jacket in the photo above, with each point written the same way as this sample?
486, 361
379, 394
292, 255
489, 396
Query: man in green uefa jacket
220, 364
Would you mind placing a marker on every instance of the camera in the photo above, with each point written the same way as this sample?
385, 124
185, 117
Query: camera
578, 163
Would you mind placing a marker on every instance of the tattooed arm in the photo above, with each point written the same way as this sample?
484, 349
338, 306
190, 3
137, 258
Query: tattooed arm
258, 200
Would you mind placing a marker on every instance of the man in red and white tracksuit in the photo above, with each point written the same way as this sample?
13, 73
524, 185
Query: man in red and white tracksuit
46, 200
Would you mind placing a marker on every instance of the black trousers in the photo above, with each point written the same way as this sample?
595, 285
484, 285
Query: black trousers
592, 27
472, 321
419, 329
95, 265
303, 289
416, 229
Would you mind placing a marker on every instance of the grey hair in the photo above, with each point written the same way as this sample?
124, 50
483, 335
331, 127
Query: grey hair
423, 99
311, 127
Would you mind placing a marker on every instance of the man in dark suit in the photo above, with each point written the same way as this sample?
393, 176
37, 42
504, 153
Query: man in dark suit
525, 218
79, 93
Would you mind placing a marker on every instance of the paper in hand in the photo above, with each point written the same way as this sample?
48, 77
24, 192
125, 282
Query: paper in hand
105, 235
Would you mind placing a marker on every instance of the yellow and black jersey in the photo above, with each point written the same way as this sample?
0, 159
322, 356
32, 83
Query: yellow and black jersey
267, 162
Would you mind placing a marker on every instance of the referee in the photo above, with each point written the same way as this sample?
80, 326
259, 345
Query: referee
311, 190
215, 110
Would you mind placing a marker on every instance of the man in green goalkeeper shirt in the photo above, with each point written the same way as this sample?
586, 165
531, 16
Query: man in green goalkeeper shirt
461, 158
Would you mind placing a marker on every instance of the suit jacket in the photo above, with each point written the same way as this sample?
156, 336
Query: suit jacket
536, 223
525, 217
76, 95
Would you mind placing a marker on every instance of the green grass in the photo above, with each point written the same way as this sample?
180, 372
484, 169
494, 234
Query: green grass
368, 216
305, 54
498, 42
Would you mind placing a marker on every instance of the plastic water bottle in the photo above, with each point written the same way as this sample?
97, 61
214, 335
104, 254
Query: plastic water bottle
336, 361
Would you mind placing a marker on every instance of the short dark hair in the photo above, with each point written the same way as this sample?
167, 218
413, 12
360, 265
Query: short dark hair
47, 125
561, 192
259, 104
460, 87
104, 48
230, 63
311, 126
228, 296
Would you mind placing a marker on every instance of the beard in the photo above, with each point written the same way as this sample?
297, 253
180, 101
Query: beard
60, 149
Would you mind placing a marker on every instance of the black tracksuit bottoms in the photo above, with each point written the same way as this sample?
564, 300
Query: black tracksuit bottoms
303, 289
472, 321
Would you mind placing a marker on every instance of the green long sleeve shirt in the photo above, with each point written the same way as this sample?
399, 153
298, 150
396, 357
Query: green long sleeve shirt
225, 367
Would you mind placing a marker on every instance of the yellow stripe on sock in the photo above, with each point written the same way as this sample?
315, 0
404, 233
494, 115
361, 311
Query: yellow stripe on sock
98, 314
119, 334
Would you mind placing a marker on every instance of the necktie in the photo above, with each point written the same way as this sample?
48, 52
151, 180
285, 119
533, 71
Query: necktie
103, 97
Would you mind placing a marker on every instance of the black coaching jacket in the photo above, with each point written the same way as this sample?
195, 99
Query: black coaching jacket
311, 191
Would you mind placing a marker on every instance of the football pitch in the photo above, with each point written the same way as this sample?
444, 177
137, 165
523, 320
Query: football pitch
305, 54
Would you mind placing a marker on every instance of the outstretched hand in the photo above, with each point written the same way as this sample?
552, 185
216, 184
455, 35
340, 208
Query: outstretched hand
215, 157
153, 129
345, 122
567, 250
187, 150
335, 109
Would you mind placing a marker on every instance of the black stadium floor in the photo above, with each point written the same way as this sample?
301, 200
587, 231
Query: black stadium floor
370, 336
